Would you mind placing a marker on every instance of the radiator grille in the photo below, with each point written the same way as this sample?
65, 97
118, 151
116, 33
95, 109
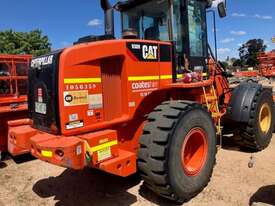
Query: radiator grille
112, 91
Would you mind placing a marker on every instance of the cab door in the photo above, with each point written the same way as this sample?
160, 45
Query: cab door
196, 30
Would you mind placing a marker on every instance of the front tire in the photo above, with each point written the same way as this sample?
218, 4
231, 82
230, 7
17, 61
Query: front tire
177, 150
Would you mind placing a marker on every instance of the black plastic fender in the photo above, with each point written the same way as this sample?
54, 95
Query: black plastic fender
240, 105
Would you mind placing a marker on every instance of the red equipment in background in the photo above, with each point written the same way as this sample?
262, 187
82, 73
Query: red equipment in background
267, 64
13, 93
266, 67
253, 73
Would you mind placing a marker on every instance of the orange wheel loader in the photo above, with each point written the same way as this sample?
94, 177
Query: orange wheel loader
153, 102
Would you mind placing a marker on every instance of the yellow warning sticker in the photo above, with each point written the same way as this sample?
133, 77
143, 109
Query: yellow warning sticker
104, 153
75, 98
105, 145
45, 153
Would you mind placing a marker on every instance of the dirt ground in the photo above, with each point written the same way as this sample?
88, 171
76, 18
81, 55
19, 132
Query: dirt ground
233, 183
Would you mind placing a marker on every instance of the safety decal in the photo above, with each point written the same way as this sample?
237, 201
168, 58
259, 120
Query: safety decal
40, 95
73, 117
74, 125
75, 98
78, 150
104, 153
90, 113
95, 101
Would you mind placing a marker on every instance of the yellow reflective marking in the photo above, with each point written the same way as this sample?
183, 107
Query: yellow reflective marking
45, 153
82, 80
105, 145
162, 77
166, 77
143, 78
88, 148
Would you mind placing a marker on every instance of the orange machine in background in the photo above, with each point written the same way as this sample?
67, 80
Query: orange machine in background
253, 73
267, 64
13, 93
266, 67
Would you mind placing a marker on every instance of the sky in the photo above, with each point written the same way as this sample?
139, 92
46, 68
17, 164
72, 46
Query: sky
64, 21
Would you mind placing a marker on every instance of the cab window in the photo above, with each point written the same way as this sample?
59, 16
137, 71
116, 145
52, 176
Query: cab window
197, 32
149, 20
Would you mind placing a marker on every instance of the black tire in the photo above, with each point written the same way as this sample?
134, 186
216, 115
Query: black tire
3, 156
159, 156
250, 135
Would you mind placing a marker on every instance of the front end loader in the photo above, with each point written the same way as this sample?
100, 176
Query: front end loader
152, 102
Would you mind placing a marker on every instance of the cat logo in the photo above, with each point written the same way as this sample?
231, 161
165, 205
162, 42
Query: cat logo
149, 52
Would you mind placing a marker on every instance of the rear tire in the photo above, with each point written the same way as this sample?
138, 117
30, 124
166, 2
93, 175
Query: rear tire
3, 156
257, 133
177, 150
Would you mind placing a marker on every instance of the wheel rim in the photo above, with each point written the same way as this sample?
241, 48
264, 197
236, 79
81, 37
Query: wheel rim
194, 152
265, 118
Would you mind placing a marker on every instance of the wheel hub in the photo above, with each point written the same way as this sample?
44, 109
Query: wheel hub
194, 152
265, 118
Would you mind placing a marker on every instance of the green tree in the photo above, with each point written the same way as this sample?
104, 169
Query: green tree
224, 64
238, 63
248, 52
33, 42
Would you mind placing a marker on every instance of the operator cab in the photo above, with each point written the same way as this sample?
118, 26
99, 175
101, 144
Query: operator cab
148, 20
182, 22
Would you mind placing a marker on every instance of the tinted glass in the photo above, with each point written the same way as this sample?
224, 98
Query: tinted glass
197, 35
149, 20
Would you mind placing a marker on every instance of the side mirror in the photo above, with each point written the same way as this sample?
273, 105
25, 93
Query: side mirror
222, 9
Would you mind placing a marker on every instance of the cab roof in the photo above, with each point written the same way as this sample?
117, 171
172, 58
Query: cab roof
127, 4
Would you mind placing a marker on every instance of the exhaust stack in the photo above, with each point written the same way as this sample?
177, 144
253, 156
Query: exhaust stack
109, 17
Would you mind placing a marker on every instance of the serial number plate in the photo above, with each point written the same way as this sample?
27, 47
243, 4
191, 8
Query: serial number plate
40, 108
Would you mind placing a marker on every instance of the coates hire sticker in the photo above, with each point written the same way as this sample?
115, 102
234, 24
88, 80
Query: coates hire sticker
75, 98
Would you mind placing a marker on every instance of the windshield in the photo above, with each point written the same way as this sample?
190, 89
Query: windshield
149, 20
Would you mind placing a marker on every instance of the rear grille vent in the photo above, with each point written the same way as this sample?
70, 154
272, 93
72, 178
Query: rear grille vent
112, 92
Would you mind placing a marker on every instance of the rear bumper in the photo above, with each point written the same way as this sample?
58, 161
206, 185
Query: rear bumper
98, 150
19, 134
62, 151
